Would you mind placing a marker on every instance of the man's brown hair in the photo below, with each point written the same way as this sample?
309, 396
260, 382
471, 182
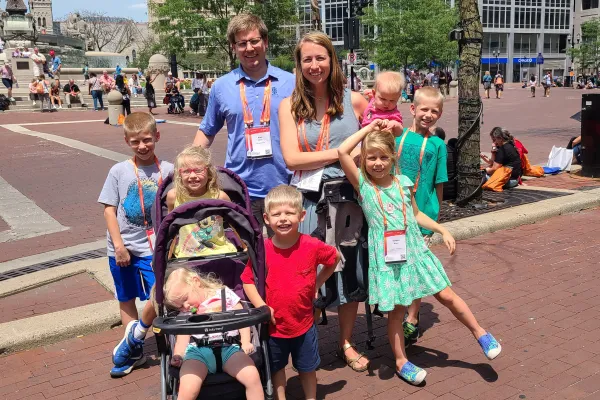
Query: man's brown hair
139, 122
245, 22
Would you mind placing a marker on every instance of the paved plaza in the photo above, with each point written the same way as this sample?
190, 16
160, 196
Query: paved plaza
533, 286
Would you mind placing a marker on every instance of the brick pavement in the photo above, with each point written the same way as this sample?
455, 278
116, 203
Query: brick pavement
535, 287
565, 181
74, 291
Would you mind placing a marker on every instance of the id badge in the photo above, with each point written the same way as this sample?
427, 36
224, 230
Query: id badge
308, 180
151, 238
258, 142
394, 246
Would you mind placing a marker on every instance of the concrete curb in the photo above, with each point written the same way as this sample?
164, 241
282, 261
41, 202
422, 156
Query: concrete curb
49, 328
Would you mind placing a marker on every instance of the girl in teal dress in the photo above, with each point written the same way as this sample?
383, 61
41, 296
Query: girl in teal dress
401, 267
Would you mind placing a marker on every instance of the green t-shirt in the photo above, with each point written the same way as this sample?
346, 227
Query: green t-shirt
433, 170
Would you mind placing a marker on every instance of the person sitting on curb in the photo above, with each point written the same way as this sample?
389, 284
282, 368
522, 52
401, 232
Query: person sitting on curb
72, 90
504, 153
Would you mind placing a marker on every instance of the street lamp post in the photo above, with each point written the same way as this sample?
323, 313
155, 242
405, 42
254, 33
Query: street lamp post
570, 68
496, 53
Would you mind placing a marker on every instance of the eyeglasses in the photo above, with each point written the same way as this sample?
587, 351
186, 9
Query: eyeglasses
185, 172
241, 45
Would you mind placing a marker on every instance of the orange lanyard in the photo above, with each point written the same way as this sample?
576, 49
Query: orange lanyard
323, 141
140, 191
420, 157
383, 209
265, 116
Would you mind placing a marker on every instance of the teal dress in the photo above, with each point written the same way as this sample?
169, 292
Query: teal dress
392, 284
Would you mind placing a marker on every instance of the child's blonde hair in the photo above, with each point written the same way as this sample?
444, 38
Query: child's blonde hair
183, 275
390, 82
139, 122
34, 80
189, 155
283, 194
380, 140
429, 92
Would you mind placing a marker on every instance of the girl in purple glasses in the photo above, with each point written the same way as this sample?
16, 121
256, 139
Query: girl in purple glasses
196, 179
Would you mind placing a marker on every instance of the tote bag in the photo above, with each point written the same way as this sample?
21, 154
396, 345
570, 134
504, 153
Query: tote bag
560, 158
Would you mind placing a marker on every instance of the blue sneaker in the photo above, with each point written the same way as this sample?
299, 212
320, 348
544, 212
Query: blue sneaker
412, 374
491, 348
129, 348
118, 372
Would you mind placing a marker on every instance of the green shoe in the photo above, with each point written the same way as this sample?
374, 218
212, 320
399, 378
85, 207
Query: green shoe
411, 332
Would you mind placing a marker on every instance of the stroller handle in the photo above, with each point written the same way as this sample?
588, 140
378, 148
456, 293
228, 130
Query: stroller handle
211, 323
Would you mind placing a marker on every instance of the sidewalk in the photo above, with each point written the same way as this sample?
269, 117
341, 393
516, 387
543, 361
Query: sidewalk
534, 287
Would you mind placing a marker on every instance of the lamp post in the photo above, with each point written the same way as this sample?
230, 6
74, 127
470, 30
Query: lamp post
570, 68
496, 54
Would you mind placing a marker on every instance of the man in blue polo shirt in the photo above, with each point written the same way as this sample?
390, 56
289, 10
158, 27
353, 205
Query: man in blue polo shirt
251, 112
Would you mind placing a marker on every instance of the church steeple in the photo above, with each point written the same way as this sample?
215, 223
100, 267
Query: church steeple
15, 7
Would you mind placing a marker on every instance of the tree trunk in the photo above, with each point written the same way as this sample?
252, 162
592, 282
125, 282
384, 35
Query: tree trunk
469, 104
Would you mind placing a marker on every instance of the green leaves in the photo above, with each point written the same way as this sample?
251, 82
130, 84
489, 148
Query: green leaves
187, 27
410, 32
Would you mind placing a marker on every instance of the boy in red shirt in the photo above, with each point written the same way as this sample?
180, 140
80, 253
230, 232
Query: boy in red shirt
292, 259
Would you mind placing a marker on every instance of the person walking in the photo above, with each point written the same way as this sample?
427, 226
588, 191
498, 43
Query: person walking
487, 83
499, 84
122, 88
8, 80
200, 86
56, 64
95, 90
150, 94
326, 113
532, 85
547, 84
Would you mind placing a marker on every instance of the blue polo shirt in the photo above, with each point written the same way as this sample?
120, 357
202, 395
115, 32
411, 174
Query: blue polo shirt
55, 63
225, 105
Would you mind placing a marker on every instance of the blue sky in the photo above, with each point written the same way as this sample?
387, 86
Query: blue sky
134, 9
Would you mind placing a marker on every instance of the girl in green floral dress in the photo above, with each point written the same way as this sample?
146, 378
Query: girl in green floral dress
401, 267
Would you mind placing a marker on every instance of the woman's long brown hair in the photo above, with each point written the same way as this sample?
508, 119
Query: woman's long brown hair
303, 100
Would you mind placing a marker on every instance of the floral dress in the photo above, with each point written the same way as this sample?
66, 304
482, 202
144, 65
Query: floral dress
392, 284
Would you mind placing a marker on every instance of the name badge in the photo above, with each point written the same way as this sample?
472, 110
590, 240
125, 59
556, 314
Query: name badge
394, 246
308, 180
258, 142
151, 238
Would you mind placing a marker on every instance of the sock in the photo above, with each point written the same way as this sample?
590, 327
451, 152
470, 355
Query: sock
139, 332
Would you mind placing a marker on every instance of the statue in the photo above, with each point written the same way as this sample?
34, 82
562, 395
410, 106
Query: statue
76, 26
316, 15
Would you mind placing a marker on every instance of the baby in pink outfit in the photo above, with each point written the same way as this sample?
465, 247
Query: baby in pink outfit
383, 105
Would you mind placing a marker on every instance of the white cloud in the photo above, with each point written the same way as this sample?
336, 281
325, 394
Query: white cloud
138, 5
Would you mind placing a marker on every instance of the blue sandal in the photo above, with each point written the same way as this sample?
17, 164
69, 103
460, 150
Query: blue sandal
412, 374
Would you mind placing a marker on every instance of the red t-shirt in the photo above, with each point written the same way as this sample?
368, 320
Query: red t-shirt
291, 283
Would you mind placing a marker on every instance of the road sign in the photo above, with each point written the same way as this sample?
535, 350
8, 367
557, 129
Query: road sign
352, 58
540, 58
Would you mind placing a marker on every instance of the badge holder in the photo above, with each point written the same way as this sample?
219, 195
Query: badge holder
394, 246
308, 180
258, 142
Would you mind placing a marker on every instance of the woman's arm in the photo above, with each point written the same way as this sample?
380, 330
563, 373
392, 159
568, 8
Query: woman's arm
493, 168
294, 158
424, 221
345, 150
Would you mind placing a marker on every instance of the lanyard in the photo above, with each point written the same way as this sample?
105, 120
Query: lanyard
140, 191
383, 209
323, 141
420, 157
265, 116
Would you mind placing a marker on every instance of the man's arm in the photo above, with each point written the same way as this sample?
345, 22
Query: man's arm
203, 140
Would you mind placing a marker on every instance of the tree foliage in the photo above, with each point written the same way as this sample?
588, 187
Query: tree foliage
410, 33
587, 53
200, 26
106, 33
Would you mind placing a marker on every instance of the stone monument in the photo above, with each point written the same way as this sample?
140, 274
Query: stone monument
17, 28
76, 26
158, 66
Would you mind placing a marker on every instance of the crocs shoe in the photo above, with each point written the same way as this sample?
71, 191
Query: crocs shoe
411, 332
118, 372
129, 349
491, 348
412, 374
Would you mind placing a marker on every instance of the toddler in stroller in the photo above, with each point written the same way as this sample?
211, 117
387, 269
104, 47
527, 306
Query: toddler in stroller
176, 102
189, 292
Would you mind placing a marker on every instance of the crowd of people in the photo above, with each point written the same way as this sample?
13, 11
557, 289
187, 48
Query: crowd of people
280, 126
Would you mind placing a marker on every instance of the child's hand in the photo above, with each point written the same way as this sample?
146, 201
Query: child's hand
248, 348
176, 360
122, 256
272, 315
376, 125
449, 242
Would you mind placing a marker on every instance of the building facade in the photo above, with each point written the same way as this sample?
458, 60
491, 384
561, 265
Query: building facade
42, 14
585, 10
